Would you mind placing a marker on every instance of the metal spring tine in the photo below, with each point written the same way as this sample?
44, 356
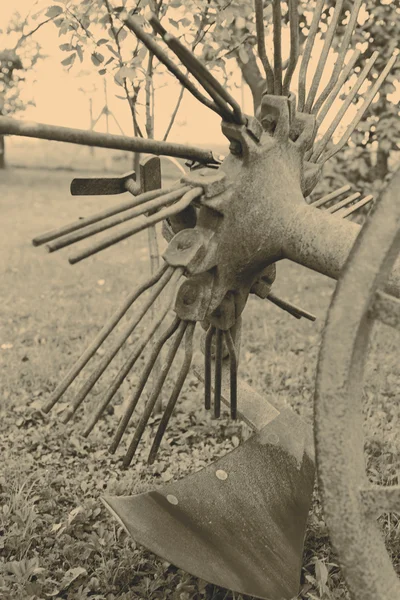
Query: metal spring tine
290, 308
151, 220
336, 89
324, 55
207, 367
343, 203
123, 423
199, 71
117, 345
101, 336
233, 371
325, 199
277, 20
307, 53
262, 51
218, 373
324, 141
344, 46
349, 211
160, 201
108, 212
369, 96
124, 371
294, 45
152, 45
148, 409
175, 393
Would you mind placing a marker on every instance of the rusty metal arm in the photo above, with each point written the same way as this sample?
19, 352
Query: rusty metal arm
9, 126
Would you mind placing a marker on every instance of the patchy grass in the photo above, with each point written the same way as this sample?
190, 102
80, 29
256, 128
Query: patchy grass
56, 539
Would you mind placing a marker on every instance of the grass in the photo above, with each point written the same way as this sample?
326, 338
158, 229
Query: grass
56, 540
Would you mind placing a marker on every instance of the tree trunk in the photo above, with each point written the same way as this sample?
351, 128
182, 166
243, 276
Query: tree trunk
2, 152
252, 76
382, 164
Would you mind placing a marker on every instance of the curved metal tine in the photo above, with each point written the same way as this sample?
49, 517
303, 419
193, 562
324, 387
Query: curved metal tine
307, 53
160, 201
125, 369
152, 220
324, 55
117, 345
152, 45
148, 409
369, 96
123, 423
379, 499
101, 336
233, 366
326, 138
294, 45
108, 212
261, 48
386, 308
331, 196
344, 46
218, 373
349, 211
345, 202
207, 367
327, 105
277, 21
199, 71
175, 393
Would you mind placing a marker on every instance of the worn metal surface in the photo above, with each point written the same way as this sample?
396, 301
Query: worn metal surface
351, 503
240, 522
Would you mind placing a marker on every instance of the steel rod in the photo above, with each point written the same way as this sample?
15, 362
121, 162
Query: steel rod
207, 367
349, 211
117, 345
261, 48
104, 214
294, 45
309, 45
325, 199
233, 367
9, 126
175, 393
218, 373
335, 207
344, 46
151, 402
326, 138
160, 201
369, 96
277, 21
324, 55
101, 336
290, 308
152, 220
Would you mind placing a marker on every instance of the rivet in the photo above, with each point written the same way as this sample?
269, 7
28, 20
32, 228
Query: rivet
172, 499
222, 475
273, 438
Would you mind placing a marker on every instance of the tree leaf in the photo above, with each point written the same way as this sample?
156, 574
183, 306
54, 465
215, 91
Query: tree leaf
54, 11
97, 58
69, 60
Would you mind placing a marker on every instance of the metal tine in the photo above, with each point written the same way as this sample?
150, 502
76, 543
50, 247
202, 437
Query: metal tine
125, 369
336, 89
218, 373
102, 335
160, 201
108, 212
307, 53
149, 407
175, 393
261, 48
170, 275
349, 211
343, 203
199, 71
151, 220
294, 45
233, 366
324, 55
152, 45
325, 199
344, 46
369, 96
324, 141
123, 423
207, 367
292, 309
277, 21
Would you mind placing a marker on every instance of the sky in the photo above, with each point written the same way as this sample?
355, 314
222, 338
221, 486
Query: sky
63, 98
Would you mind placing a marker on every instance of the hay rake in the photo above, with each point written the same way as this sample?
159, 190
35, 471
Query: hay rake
240, 522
